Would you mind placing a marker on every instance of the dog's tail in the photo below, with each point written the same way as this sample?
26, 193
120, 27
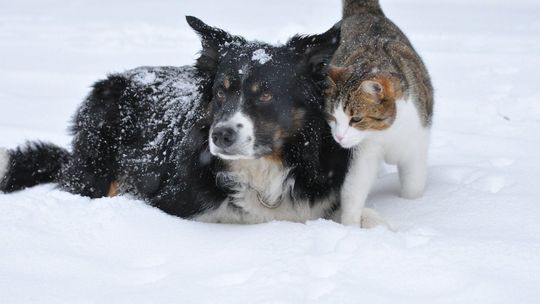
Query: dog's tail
29, 165
355, 7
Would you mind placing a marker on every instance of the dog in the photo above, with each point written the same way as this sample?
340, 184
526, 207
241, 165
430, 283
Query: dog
238, 138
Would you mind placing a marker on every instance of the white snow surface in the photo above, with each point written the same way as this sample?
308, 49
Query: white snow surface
4, 162
473, 238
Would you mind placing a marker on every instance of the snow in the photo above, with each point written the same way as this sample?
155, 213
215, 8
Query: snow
144, 77
4, 162
174, 101
261, 56
473, 238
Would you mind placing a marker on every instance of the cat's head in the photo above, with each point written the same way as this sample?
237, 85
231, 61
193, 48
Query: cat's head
360, 103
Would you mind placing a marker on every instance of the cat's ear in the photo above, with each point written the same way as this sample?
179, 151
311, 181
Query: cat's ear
213, 40
339, 74
381, 88
373, 88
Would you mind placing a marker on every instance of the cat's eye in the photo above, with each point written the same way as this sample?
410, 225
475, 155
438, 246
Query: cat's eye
220, 94
265, 97
355, 119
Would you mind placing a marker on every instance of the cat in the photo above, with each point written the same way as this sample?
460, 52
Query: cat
379, 104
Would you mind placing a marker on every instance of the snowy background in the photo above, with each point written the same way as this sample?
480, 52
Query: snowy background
473, 238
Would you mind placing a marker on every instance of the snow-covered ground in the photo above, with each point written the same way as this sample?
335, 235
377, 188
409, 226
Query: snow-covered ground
473, 238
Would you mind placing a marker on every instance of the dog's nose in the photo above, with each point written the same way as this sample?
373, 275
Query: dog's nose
224, 137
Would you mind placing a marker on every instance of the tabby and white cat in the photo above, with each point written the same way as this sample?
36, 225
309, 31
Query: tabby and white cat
380, 104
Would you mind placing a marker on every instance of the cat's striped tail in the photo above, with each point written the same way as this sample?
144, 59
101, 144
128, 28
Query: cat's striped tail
29, 165
355, 7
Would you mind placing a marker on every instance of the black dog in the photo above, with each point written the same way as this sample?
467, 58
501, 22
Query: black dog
239, 138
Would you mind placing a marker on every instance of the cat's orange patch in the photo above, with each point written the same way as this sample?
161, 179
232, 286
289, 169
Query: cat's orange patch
376, 107
391, 87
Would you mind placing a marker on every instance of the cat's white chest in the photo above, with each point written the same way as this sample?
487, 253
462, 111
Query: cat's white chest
405, 138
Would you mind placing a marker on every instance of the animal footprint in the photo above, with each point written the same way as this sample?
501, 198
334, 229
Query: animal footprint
492, 184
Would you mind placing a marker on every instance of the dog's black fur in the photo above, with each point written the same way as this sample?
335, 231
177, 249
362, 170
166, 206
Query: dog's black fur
149, 130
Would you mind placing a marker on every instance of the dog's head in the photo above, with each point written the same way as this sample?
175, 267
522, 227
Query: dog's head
260, 95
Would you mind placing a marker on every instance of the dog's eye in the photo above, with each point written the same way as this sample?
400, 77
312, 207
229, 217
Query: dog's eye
355, 119
220, 94
266, 97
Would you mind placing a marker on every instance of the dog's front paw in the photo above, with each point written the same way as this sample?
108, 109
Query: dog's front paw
368, 219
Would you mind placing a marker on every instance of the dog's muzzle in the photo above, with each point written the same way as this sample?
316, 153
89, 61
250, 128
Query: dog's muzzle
224, 137
233, 138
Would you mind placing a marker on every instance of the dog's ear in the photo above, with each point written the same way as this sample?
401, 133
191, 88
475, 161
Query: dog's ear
316, 51
213, 40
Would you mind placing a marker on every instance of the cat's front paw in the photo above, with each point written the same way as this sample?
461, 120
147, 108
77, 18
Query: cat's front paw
372, 219
351, 220
412, 193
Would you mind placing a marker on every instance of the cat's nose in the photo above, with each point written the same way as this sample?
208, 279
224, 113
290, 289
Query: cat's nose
339, 137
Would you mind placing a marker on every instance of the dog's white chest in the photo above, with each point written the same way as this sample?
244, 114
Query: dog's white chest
263, 193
